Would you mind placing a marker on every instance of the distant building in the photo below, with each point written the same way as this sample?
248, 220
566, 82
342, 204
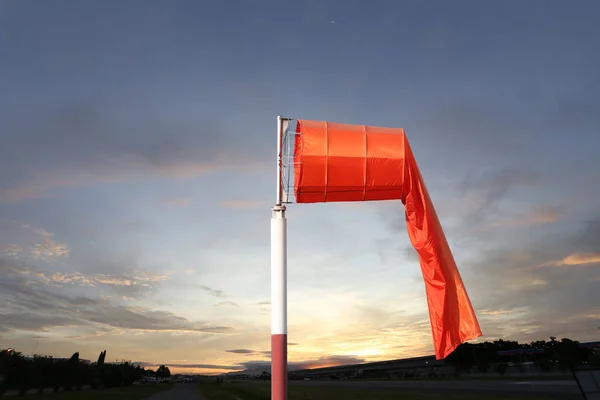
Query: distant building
404, 368
407, 367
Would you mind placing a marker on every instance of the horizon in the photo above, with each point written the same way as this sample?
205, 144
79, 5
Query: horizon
137, 174
296, 366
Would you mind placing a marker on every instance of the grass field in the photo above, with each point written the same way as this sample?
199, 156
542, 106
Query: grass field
547, 377
137, 392
256, 391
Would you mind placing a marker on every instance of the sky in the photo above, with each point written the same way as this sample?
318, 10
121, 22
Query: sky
137, 172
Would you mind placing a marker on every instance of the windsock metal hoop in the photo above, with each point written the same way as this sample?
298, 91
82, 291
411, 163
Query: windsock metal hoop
288, 137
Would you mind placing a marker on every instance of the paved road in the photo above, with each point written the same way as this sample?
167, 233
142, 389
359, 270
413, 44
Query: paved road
491, 385
184, 391
559, 390
35, 391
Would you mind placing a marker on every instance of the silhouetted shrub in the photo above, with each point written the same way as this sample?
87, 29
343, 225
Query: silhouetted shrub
545, 365
39, 372
483, 367
502, 367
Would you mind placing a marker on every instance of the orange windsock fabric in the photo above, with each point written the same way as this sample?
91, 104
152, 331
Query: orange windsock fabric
340, 162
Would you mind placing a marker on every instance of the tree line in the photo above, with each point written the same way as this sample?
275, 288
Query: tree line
40, 372
548, 356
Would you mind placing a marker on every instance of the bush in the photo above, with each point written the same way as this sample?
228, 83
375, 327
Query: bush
594, 360
483, 367
520, 367
545, 365
502, 367
39, 372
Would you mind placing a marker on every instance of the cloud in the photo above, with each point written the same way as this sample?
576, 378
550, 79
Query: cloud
34, 321
540, 215
126, 285
241, 351
241, 204
214, 292
177, 201
47, 251
11, 250
86, 143
36, 306
256, 367
191, 366
248, 352
490, 187
473, 204
532, 283
321, 362
98, 332
544, 215
577, 259
264, 307
528, 289
227, 304
477, 204
495, 312
110, 171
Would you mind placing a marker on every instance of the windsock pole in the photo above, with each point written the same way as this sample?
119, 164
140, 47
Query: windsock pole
279, 282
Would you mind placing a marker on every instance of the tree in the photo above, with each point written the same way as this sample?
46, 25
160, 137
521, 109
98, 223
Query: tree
101, 357
545, 364
265, 376
483, 367
568, 354
163, 372
502, 367
594, 359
